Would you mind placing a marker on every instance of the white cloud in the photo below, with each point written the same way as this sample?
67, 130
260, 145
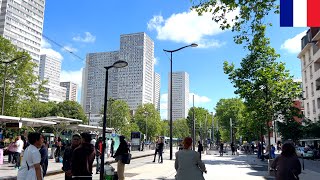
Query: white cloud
73, 76
188, 27
46, 49
156, 61
89, 38
293, 45
70, 48
199, 101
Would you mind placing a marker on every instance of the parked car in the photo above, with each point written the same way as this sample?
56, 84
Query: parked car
304, 152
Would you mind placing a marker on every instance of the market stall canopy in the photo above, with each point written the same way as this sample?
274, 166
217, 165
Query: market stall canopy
31, 122
58, 120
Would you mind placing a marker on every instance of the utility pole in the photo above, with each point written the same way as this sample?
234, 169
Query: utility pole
212, 129
231, 138
206, 130
193, 127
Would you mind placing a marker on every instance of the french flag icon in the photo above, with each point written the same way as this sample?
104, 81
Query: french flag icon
300, 13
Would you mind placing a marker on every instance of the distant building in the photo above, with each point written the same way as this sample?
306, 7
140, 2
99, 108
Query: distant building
310, 70
180, 95
21, 22
50, 68
156, 93
72, 90
133, 84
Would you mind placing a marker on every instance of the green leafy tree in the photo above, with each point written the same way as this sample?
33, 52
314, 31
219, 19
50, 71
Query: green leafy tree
118, 115
20, 78
248, 18
203, 121
69, 109
165, 128
180, 128
265, 85
148, 118
290, 129
227, 109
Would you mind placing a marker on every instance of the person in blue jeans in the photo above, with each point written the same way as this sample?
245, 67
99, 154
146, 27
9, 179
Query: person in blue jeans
273, 149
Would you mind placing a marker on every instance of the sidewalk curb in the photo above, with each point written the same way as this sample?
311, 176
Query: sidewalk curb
60, 171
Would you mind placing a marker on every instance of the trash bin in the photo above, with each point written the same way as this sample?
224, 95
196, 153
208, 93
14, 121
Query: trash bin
108, 172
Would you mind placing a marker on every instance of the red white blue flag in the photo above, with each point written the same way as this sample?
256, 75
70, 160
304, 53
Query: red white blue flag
300, 13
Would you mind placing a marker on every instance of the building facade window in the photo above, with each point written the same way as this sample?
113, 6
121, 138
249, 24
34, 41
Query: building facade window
311, 72
312, 90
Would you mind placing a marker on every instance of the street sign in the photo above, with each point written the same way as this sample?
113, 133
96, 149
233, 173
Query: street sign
14, 125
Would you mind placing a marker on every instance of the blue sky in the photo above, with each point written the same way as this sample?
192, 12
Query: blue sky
84, 27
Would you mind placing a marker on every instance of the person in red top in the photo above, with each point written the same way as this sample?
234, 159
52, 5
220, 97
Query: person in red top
98, 148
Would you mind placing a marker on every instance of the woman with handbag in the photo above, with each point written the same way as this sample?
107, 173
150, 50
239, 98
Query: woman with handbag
188, 163
122, 153
287, 165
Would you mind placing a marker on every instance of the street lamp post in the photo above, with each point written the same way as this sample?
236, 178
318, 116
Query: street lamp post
171, 51
117, 64
5, 79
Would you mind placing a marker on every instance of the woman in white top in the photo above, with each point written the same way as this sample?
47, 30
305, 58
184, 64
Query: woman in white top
188, 163
30, 168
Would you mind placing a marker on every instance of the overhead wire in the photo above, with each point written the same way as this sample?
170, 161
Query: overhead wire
56, 43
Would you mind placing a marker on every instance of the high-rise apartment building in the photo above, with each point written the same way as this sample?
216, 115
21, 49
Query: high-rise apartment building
134, 84
72, 90
310, 69
156, 93
50, 68
180, 95
21, 22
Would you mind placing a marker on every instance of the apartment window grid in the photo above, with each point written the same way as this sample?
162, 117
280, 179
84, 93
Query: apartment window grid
307, 94
311, 72
308, 109
314, 106
305, 76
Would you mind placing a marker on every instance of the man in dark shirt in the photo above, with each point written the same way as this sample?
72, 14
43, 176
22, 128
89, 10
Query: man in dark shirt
44, 157
82, 159
112, 148
67, 157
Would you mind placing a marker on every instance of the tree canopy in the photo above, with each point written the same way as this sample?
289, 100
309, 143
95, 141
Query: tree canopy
20, 78
148, 119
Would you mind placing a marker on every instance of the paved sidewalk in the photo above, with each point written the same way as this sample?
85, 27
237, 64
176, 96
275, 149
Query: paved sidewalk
7, 171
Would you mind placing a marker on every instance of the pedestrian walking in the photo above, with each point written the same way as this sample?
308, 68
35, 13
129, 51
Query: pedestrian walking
233, 148
160, 151
221, 149
30, 166
260, 150
58, 145
12, 149
109, 148
121, 151
200, 148
82, 159
98, 148
112, 147
67, 156
142, 145
44, 157
19, 144
287, 165
188, 163
156, 150
273, 152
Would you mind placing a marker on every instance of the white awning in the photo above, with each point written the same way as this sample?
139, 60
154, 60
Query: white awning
25, 121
